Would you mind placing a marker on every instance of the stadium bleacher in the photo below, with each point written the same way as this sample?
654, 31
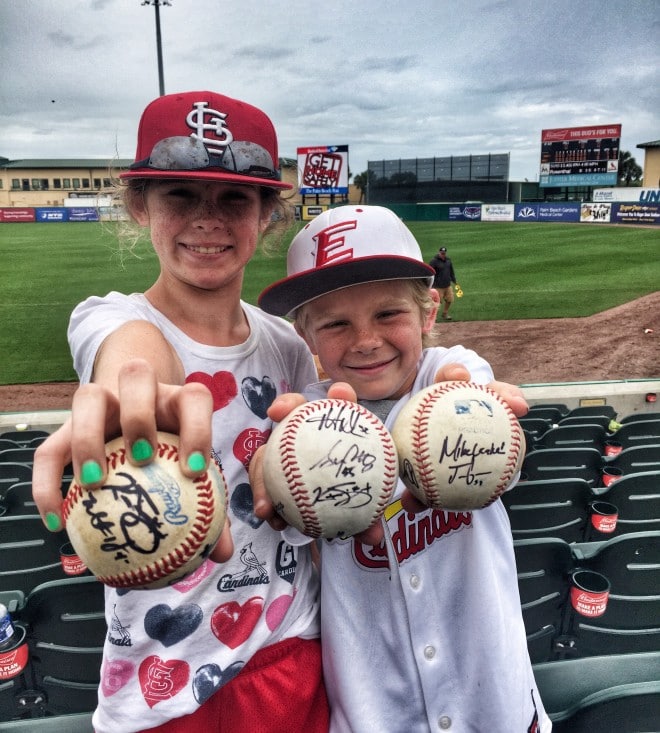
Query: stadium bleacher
600, 672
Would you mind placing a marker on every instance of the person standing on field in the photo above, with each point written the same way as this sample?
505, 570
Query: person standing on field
443, 280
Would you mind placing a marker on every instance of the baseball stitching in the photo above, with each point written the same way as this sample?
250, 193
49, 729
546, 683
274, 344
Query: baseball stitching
421, 453
295, 480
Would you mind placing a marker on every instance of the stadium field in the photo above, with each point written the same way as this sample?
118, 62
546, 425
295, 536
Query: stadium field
507, 271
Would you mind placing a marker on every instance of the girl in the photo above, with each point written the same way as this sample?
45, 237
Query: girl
234, 647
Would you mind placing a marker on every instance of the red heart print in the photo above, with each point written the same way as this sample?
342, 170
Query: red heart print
232, 623
222, 386
162, 679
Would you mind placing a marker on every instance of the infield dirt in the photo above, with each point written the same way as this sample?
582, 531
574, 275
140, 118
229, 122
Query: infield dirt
612, 345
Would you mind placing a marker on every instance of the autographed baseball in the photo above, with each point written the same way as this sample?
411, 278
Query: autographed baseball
330, 468
459, 446
147, 526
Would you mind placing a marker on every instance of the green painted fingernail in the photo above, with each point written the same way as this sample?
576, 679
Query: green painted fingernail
141, 450
53, 522
90, 472
196, 462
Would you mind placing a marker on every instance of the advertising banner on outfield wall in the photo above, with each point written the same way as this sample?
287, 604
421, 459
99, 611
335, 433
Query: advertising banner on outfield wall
323, 170
52, 214
635, 214
629, 194
17, 214
83, 213
497, 212
465, 212
553, 211
596, 213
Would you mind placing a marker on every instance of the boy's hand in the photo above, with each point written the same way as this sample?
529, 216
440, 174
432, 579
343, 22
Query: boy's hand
279, 409
282, 406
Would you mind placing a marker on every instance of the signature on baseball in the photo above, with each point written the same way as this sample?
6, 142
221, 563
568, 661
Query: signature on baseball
140, 519
341, 420
347, 461
462, 449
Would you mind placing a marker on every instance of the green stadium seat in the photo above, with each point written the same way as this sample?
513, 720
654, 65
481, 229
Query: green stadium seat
543, 567
549, 508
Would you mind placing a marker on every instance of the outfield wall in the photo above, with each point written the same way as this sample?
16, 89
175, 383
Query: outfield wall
625, 396
553, 212
605, 212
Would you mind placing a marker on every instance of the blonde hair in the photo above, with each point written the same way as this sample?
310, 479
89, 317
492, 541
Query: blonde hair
129, 195
421, 295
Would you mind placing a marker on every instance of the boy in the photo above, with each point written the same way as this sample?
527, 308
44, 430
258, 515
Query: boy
424, 631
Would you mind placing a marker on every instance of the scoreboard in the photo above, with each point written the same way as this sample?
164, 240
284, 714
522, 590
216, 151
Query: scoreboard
580, 156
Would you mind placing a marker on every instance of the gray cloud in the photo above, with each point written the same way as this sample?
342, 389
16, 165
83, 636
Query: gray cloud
388, 79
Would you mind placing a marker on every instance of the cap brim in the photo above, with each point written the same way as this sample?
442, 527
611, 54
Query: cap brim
205, 175
286, 295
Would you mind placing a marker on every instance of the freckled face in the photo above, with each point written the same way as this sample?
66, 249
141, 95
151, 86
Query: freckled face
369, 335
203, 233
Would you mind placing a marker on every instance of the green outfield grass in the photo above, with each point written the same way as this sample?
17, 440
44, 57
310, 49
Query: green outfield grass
507, 271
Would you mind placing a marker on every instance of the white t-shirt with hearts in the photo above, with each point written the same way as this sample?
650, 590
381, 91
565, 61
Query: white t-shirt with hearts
168, 650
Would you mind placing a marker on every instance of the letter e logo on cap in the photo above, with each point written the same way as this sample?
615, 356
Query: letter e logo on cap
331, 245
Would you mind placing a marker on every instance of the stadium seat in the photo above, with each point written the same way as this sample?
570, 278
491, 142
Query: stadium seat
637, 498
66, 631
570, 686
638, 432
589, 435
24, 437
24, 454
550, 508
536, 426
606, 410
549, 463
603, 420
19, 700
17, 500
529, 441
559, 407
12, 473
77, 723
29, 553
5, 444
635, 416
624, 708
631, 621
543, 569
636, 459
549, 413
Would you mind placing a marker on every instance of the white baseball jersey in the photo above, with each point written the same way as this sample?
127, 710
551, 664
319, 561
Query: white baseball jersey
425, 632
168, 650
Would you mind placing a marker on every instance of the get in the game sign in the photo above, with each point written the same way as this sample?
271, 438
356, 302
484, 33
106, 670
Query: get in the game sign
580, 156
323, 170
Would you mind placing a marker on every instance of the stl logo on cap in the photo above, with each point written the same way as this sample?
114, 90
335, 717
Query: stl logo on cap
202, 118
331, 244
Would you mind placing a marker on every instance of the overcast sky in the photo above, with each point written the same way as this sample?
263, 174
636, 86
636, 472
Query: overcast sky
390, 79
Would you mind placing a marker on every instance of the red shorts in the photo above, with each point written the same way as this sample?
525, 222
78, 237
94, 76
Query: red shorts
279, 689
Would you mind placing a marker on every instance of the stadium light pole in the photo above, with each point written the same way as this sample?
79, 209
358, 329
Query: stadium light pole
159, 47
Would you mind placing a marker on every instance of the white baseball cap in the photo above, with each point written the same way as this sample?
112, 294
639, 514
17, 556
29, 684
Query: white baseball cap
345, 246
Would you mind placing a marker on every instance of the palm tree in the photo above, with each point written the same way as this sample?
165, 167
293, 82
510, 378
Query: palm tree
629, 171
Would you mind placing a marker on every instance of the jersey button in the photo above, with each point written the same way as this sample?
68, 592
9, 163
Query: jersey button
429, 652
414, 582
444, 722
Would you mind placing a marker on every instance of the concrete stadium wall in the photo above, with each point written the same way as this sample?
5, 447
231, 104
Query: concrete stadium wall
626, 397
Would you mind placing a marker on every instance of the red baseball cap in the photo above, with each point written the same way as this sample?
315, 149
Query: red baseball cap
345, 246
206, 136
